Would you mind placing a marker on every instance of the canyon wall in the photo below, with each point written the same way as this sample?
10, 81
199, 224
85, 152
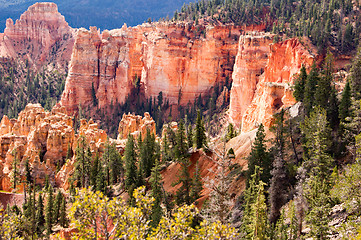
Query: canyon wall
40, 36
263, 78
180, 60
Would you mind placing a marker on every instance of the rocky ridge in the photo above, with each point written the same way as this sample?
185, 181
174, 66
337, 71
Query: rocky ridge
41, 36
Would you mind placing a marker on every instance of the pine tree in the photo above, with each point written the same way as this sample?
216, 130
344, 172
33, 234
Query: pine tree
100, 179
310, 89
259, 156
254, 221
15, 170
190, 136
317, 135
200, 136
230, 132
183, 192
130, 164
57, 206
49, 211
181, 147
157, 194
62, 217
356, 76
94, 171
197, 185
82, 163
323, 88
40, 219
147, 155
300, 84
28, 177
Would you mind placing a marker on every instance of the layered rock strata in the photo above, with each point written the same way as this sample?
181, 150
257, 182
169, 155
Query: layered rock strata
40, 36
181, 61
265, 86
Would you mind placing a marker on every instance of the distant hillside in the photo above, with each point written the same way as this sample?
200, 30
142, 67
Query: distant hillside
105, 14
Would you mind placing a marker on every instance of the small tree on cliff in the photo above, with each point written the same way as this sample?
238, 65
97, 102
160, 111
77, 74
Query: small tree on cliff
300, 84
49, 211
15, 171
200, 136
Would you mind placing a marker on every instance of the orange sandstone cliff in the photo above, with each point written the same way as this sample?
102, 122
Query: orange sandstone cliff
265, 86
40, 36
180, 60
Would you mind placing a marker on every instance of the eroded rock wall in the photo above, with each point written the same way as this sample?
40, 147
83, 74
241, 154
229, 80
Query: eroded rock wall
40, 36
263, 87
172, 58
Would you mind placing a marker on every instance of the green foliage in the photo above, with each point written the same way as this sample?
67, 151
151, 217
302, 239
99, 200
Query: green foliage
310, 89
254, 221
149, 152
200, 136
197, 185
157, 194
300, 83
259, 156
355, 77
317, 135
230, 132
130, 165
83, 158
49, 211
347, 188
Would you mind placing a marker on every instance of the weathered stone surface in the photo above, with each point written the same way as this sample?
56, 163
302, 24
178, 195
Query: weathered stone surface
135, 125
40, 36
255, 97
171, 58
251, 60
43, 139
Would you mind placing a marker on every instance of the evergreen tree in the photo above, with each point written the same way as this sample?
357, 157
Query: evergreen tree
57, 206
310, 89
181, 147
15, 170
300, 84
62, 217
69, 152
94, 171
356, 76
183, 192
28, 177
40, 219
317, 135
323, 88
190, 136
82, 162
197, 185
254, 221
230, 132
259, 156
147, 155
49, 211
200, 136
100, 179
130, 164
157, 194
